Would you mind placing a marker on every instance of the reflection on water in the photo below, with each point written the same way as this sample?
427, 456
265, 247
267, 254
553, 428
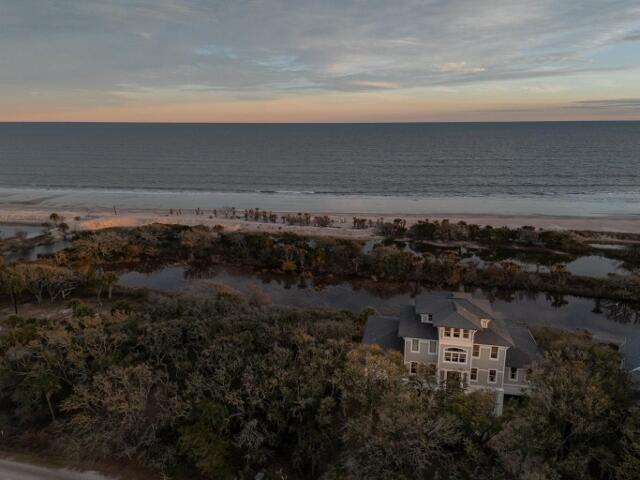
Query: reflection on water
8, 230
608, 246
611, 321
596, 266
282, 289
38, 251
29, 253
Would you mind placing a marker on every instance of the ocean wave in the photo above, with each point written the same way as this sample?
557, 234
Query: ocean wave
287, 192
541, 194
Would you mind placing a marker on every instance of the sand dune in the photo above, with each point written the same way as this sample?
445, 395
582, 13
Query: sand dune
79, 219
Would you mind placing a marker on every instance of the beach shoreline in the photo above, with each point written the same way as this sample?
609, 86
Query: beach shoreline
80, 219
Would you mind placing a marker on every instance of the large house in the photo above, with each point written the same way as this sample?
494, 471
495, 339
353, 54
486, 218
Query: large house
464, 338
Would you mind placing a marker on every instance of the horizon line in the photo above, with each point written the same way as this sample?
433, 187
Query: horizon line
169, 122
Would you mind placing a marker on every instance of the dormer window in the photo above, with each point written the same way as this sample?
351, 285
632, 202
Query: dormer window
426, 318
484, 322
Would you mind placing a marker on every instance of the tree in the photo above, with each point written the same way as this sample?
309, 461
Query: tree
64, 228
110, 279
55, 218
203, 441
570, 424
40, 278
12, 284
629, 466
395, 426
121, 410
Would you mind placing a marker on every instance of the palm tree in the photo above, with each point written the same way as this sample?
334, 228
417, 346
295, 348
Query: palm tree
55, 218
64, 228
110, 279
12, 284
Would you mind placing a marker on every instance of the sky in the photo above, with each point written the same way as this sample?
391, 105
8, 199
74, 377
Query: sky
319, 61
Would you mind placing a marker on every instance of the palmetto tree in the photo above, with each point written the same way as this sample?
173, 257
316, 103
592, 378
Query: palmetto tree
64, 228
11, 283
110, 279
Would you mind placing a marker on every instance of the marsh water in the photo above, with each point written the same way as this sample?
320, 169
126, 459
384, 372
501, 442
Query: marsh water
608, 321
38, 251
30, 253
597, 266
8, 230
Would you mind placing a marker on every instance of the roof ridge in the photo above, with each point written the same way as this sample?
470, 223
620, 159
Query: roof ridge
508, 337
475, 319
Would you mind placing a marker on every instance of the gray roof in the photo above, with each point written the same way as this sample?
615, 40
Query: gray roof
463, 310
498, 333
410, 325
382, 331
455, 309
525, 350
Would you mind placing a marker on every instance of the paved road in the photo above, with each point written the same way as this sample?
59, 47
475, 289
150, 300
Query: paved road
11, 470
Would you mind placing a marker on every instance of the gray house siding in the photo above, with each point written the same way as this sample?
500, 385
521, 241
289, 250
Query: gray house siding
484, 363
423, 355
483, 379
515, 386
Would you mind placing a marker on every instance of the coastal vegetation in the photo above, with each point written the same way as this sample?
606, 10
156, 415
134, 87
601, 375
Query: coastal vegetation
436, 266
219, 388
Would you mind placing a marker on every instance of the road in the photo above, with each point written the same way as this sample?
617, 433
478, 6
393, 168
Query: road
12, 470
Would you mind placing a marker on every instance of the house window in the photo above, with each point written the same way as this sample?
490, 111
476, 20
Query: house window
426, 318
433, 347
455, 355
465, 333
513, 373
492, 376
413, 367
456, 333
474, 374
494, 352
447, 332
415, 345
476, 351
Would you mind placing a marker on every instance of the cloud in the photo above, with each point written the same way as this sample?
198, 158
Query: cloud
216, 50
375, 84
543, 89
273, 48
626, 103
459, 67
632, 37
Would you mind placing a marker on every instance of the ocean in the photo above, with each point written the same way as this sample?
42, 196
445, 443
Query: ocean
560, 168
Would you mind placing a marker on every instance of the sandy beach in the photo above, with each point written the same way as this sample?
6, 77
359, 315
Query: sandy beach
93, 219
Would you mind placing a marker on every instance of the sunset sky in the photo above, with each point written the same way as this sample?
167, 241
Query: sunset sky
322, 60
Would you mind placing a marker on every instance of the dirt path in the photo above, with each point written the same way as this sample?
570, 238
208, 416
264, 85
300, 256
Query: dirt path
13, 470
